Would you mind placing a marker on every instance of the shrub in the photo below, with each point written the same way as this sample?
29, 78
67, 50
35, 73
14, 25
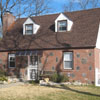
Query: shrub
59, 78
2, 73
3, 78
34, 82
62, 78
54, 77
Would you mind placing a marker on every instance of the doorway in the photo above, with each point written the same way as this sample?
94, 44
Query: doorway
32, 67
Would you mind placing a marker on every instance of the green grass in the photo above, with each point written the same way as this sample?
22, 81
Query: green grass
35, 92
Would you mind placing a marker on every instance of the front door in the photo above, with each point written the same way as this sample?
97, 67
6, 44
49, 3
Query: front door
32, 67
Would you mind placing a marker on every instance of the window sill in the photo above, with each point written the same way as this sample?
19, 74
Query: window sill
12, 67
68, 68
63, 31
28, 34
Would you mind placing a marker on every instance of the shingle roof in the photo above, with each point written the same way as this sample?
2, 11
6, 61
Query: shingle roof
83, 34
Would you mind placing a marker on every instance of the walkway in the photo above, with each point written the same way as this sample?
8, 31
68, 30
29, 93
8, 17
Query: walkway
11, 84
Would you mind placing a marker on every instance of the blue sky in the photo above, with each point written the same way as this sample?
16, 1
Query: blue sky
57, 5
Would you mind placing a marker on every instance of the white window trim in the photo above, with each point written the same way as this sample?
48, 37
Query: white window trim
58, 26
69, 60
11, 55
32, 29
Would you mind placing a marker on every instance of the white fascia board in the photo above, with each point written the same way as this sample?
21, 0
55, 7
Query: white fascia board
61, 17
36, 28
28, 21
98, 39
69, 25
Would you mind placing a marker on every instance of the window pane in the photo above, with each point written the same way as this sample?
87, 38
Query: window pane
62, 25
29, 27
12, 64
68, 60
68, 65
11, 60
11, 55
62, 28
29, 31
68, 56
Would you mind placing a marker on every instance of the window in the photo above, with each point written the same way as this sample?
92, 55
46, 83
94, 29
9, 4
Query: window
29, 29
68, 60
51, 54
77, 68
11, 60
90, 67
62, 26
0, 61
56, 59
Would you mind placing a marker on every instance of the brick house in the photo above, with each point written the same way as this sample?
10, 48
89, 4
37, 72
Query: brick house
68, 43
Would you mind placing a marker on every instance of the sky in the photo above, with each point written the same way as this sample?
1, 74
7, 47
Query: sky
58, 4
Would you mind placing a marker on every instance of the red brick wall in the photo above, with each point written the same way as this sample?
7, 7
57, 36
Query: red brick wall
83, 74
84, 58
20, 65
3, 60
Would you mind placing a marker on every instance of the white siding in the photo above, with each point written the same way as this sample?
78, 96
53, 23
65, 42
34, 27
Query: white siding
36, 27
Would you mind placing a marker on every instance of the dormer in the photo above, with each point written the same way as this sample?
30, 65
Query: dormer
30, 27
62, 23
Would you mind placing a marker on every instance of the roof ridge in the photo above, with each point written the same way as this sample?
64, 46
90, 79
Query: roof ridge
51, 14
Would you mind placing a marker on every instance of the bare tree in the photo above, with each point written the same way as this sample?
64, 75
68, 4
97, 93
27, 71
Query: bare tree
38, 7
23, 7
69, 6
95, 3
81, 4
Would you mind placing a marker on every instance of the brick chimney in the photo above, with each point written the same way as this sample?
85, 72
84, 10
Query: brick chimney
8, 19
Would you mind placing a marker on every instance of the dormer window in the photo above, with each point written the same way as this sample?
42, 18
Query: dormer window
63, 23
29, 29
62, 26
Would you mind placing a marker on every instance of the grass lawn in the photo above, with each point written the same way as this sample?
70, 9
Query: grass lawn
35, 92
